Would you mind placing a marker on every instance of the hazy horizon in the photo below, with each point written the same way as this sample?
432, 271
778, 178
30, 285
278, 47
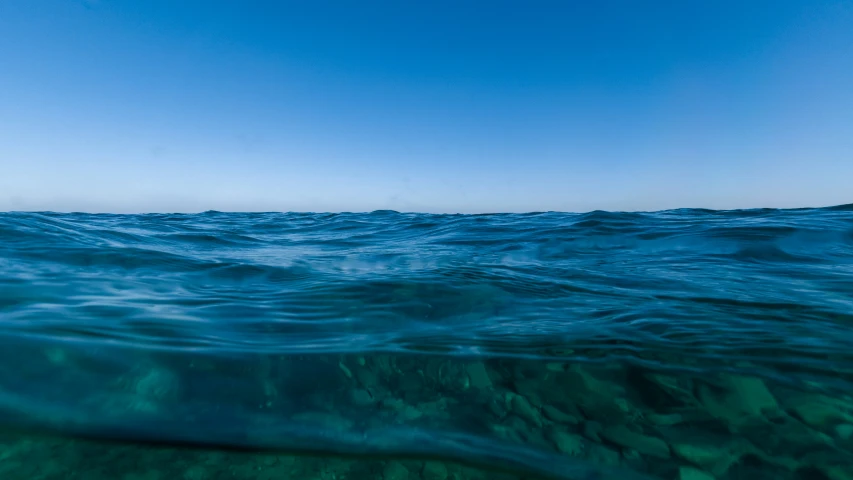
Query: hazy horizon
407, 212
115, 106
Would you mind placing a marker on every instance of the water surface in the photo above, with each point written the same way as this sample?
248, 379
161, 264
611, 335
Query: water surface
687, 344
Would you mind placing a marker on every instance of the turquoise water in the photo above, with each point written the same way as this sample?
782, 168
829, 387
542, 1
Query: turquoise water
686, 344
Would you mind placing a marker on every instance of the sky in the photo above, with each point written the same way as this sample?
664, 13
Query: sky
133, 106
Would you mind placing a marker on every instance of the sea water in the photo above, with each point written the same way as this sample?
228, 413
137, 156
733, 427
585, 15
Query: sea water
685, 344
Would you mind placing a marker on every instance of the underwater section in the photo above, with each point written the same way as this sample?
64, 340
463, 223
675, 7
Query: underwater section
522, 418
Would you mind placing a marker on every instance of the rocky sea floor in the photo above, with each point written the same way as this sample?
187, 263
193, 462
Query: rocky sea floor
607, 420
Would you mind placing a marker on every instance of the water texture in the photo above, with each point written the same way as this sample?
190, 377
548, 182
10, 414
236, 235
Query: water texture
686, 344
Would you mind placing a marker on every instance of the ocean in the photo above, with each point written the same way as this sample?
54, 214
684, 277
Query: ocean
684, 344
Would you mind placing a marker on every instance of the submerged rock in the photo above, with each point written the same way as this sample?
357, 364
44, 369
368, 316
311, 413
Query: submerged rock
717, 458
690, 473
665, 419
568, 443
820, 411
362, 397
660, 391
647, 445
451, 376
739, 400
718, 455
478, 375
602, 455
498, 406
511, 428
434, 471
592, 430
751, 394
598, 399
366, 377
787, 436
558, 416
523, 408
839, 473
394, 470
844, 431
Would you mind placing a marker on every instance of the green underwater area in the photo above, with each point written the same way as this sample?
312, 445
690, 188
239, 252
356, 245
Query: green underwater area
416, 416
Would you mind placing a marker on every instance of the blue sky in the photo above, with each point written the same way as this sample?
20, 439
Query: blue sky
439, 106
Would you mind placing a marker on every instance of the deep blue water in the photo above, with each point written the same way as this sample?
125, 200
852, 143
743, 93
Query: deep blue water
178, 327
